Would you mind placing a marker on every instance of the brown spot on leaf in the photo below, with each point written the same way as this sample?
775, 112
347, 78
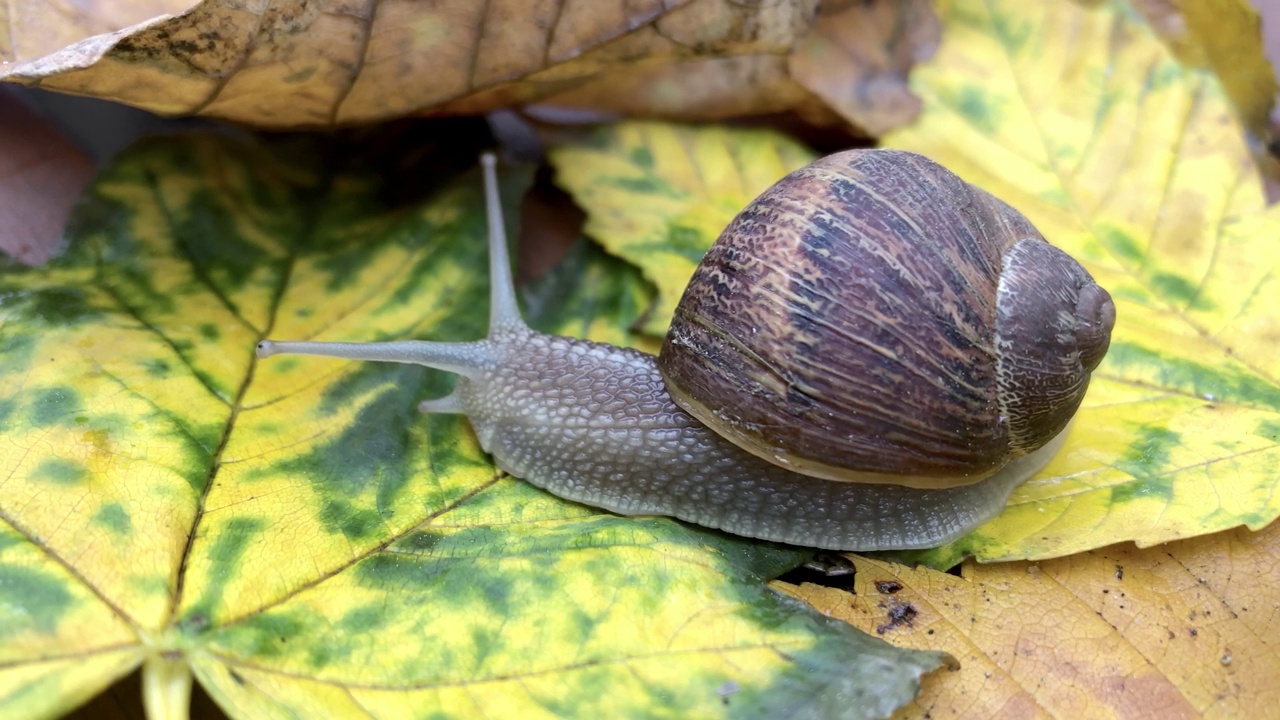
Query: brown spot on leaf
888, 587
899, 614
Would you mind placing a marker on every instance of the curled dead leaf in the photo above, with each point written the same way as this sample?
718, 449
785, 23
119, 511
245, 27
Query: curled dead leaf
699, 89
857, 56
290, 64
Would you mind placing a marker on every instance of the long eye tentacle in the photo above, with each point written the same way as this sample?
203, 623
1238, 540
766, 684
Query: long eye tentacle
468, 359
503, 310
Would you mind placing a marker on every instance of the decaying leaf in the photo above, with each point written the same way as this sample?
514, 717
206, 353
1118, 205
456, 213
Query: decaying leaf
702, 90
851, 64
1130, 162
289, 63
858, 54
1181, 630
294, 534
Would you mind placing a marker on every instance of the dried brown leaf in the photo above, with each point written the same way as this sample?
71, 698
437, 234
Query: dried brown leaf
1181, 630
702, 89
857, 56
290, 63
851, 66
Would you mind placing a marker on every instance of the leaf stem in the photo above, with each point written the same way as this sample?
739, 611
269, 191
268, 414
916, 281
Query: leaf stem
166, 686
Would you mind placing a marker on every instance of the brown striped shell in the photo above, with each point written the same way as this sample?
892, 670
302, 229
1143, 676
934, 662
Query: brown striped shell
874, 318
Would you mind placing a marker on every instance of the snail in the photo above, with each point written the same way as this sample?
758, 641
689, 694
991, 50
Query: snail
872, 355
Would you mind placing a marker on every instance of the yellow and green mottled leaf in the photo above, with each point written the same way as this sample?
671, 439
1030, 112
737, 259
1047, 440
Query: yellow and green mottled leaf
1081, 119
294, 533
1137, 166
658, 195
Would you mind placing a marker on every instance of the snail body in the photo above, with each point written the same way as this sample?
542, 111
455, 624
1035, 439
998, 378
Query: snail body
598, 424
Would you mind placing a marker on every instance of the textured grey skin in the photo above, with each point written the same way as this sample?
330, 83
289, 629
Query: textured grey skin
594, 423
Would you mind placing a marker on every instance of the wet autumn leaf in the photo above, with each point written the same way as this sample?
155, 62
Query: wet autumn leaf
1182, 630
294, 534
1130, 162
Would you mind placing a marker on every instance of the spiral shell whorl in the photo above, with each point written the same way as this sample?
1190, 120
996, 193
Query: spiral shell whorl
1054, 324
845, 325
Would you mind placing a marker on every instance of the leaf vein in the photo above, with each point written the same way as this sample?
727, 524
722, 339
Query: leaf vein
181, 242
354, 75
226, 75
67, 566
169, 342
323, 575
775, 647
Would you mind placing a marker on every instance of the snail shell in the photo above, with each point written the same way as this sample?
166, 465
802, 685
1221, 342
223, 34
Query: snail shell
874, 318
